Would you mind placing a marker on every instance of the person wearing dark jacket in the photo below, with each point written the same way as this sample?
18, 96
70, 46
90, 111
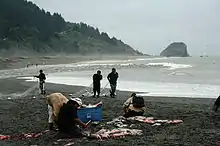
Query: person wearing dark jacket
216, 104
68, 119
96, 83
112, 78
42, 79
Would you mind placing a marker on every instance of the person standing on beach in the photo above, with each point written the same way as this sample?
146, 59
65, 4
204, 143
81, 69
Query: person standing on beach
97, 83
112, 78
42, 79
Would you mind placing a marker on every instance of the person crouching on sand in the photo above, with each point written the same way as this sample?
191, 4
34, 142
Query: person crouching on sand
55, 101
42, 79
68, 119
134, 106
96, 83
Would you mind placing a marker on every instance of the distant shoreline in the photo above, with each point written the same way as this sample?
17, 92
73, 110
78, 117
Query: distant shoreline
22, 62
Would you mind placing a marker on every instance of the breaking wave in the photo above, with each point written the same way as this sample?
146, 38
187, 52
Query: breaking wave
171, 66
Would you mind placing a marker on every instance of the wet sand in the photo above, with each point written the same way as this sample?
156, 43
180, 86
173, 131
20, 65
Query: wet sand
27, 114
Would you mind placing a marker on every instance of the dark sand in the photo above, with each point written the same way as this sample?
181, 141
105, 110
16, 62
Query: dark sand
201, 126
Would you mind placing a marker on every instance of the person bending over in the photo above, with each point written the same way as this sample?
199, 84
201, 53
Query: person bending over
68, 119
134, 106
55, 101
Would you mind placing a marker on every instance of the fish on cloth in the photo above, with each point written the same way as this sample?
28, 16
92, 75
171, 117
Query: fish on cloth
121, 121
114, 133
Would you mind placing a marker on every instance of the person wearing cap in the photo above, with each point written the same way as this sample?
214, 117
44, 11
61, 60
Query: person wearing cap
134, 106
55, 101
68, 119
96, 83
42, 78
112, 78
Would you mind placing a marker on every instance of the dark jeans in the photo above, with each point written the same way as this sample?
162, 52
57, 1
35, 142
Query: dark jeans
41, 86
113, 89
96, 88
133, 114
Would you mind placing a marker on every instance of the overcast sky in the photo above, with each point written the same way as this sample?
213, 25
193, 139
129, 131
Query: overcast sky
148, 25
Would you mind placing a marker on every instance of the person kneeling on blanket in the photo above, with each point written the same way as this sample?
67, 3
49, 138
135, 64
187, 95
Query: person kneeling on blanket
67, 118
134, 106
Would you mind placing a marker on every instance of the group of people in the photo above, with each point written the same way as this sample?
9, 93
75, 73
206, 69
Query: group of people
63, 112
112, 78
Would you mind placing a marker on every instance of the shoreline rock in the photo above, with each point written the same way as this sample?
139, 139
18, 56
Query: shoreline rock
176, 49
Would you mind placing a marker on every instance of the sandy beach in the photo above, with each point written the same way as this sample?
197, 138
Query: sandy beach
27, 114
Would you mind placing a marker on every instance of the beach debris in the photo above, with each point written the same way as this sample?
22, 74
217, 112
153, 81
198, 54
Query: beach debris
60, 140
116, 133
175, 121
55, 143
34, 97
9, 98
95, 123
156, 124
132, 125
69, 144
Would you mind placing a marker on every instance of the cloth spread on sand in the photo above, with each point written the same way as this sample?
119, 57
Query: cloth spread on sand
115, 133
22, 136
121, 121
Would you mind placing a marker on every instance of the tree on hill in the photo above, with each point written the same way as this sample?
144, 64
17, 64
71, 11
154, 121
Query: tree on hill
24, 25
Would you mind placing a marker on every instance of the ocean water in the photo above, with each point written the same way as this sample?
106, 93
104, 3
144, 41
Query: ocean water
156, 76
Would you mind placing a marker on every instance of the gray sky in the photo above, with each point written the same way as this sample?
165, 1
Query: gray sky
148, 25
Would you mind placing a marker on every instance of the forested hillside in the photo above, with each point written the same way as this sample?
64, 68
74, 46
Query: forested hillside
24, 26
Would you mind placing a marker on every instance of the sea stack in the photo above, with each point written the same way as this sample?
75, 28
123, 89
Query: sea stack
176, 49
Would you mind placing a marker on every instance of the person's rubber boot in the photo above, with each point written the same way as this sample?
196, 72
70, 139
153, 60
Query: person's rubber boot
50, 126
110, 93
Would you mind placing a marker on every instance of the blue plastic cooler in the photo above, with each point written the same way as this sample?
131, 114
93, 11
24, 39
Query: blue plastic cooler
94, 114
